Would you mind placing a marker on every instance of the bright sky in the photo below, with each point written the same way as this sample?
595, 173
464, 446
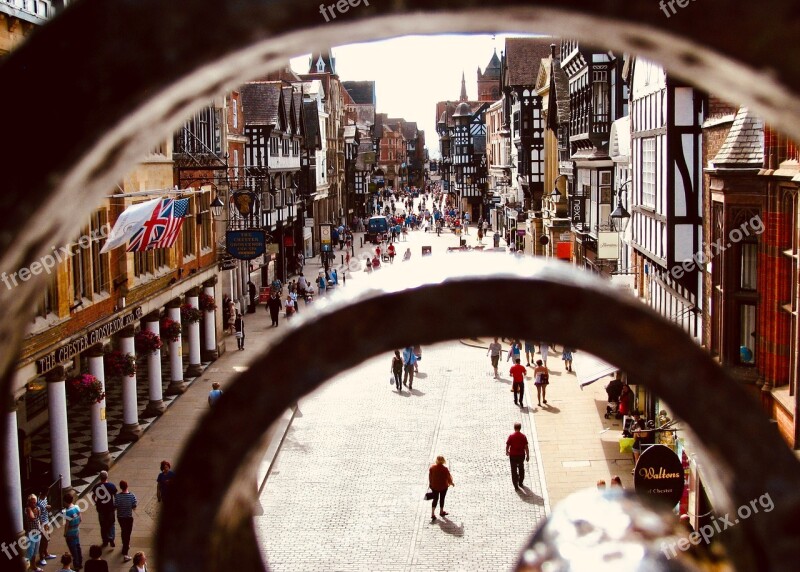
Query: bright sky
412, 73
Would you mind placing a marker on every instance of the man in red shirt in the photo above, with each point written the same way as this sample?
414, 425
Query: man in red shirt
518, 372
517, 451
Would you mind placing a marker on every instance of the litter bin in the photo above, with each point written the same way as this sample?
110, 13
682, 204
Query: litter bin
496, 239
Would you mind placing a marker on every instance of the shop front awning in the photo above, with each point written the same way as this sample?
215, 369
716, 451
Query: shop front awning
592, 369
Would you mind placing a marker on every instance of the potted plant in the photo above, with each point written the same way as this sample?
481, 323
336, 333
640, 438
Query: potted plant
85, 389
119, 364
146, 342
190, 314
206, 302
170, 330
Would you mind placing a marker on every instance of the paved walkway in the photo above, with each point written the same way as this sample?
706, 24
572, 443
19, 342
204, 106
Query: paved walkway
345, 492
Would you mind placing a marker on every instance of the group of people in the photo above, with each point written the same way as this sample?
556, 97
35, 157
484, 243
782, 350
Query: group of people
518, 372
113, 505
405, 366
440, 479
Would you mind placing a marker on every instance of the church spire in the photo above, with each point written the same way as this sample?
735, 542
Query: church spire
463, 96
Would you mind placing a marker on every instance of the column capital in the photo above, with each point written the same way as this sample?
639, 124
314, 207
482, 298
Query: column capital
12, 404
193, 292
56, 375
211, 282
153, 316
95, 351
174, 303
127, 332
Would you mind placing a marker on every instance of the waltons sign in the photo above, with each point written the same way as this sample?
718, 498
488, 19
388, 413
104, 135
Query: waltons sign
87, 340
659, 475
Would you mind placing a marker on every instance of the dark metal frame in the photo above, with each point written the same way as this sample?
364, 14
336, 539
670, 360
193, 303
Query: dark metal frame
149, 91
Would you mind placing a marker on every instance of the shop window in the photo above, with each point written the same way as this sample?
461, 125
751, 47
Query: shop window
649, 172
747, 334
48, 300
748, 257
188, 230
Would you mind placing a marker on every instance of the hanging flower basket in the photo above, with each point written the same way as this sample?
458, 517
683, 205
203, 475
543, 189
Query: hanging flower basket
146, 342
85, 389
206, 302
119, 364
170, 330
190, 314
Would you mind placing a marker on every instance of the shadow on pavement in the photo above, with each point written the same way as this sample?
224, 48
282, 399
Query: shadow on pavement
417, 392
421, 375
550, 409
529, 496
450, 527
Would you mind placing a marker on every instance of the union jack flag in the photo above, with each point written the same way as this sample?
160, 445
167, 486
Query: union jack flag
162, 228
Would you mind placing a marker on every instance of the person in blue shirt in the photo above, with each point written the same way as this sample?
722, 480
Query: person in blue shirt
409, 363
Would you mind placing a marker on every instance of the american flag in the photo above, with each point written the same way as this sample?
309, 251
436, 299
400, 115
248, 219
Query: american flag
162, 228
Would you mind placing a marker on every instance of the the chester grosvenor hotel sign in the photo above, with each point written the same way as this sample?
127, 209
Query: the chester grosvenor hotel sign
87, 340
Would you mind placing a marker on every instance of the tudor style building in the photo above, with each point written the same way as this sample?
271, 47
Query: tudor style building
597, 96
666, 193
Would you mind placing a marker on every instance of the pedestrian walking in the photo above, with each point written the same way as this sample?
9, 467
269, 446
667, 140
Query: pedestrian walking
494, 351
515, 352
95, 562
125, 503
72, 535
32, 526
164, 482
439, 480
530, 352
274, 308
541, 376
368, 265
397, 369
139, 563
288, 306
418, 354
238, 326
616, 482
544, 349
566, 355
518, 372
409, 362
231, 315
214, 394
392, 252
407, 254
253, 297
103, 496
518, 453
293, 296
46, 528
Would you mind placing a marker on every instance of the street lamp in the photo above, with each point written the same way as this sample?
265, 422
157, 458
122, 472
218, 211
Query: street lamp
620, 217
216, 207
556, 195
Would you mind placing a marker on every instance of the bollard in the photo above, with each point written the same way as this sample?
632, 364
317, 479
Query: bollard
361, 242
342, 257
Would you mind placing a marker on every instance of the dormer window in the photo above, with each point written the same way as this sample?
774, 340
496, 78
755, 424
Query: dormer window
320, 65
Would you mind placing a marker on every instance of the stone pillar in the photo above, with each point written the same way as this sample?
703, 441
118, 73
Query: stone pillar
59, 432
131, 431
155, 404
176, 383
11, 467
210, 325
194, 368
100, 459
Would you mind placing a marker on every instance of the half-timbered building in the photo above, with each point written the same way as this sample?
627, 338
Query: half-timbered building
666, 196
597, 96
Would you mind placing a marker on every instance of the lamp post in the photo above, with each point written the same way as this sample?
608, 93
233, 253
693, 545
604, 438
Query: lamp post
620, 217
556, 195
619, 220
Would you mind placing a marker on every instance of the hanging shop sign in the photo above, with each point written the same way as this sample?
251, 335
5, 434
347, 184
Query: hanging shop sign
245, 202
87, 340
245, 244
228, 263
659, 474
608, 245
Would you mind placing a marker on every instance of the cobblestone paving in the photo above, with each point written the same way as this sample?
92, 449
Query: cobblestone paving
346, 490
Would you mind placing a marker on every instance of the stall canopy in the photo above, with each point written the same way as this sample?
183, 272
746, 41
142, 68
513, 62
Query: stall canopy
593, 369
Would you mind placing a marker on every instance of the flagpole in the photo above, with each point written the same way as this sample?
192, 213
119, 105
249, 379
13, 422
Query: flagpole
152, 192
